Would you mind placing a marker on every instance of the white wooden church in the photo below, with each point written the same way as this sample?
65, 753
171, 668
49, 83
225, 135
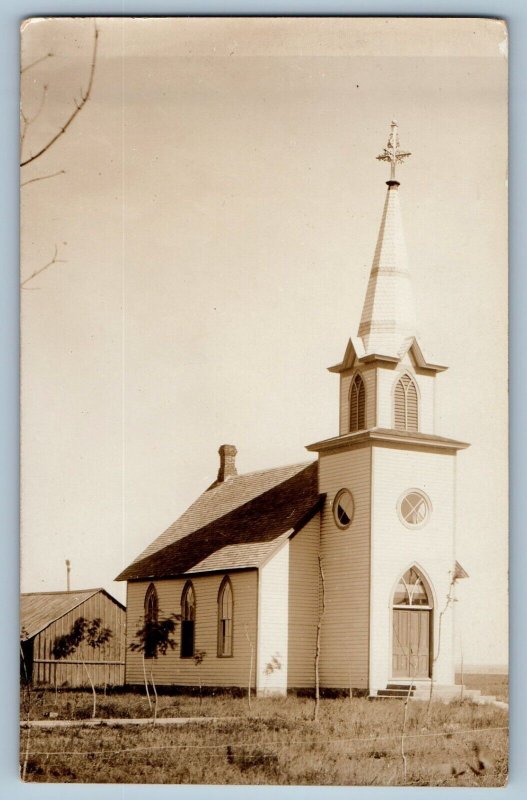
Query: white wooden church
363, 538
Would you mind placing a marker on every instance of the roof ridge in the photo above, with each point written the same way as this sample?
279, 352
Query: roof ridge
66, 591
273, 469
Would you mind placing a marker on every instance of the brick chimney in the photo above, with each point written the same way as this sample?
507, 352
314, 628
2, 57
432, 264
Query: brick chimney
227, 462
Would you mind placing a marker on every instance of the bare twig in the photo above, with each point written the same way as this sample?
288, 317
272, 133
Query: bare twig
44, 177
450, 598
155, 692
146, 683
27, 121
27, 677
317, 646
462, 675
79, 104
37, 61
250, 666
92, 687
403, 729
54, 260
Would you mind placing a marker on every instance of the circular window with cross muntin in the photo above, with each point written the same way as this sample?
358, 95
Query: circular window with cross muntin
414, 508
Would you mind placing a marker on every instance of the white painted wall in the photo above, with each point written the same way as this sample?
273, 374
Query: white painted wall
394, 548
303, 604
273, 624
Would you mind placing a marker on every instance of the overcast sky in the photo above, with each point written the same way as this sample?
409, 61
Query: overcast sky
217, 220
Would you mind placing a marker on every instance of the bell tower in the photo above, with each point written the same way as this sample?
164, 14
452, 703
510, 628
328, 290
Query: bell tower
388, 524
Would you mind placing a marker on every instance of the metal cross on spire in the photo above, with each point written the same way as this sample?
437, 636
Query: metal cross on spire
391, 152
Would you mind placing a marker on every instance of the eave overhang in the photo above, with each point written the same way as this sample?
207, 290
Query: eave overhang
355, 354
387, 436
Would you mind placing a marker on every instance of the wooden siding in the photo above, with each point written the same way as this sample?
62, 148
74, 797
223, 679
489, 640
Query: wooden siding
346, 564
395, 547
106, 665
273, 627
303, 604
214, 670
368, 375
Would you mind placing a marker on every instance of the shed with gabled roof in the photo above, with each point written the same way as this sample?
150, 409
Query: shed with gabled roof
46, 615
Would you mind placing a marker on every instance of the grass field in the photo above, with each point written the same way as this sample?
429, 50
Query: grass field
355, 742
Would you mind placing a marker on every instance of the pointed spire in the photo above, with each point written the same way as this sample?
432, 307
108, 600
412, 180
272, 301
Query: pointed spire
388, 316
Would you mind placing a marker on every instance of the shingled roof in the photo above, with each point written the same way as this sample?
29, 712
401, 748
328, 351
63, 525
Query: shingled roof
40, 609
235, 524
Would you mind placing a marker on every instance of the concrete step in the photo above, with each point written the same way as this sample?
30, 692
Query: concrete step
421, 691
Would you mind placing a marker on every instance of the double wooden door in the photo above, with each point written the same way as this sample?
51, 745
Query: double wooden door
411, 643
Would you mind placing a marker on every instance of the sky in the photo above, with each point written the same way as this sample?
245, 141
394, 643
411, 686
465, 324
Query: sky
215, 217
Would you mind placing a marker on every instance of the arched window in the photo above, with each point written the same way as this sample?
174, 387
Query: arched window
357, 405
225, 618
188, 620
405, 411
411, 590
151, 616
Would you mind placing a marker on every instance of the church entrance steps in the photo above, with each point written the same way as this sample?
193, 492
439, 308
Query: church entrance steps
445, 693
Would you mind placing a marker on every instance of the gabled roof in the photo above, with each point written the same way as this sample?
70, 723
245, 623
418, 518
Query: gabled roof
236, 524
40, 609
355, 353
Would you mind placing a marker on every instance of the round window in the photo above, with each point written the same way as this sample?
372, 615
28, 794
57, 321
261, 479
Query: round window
343, 507
414, 508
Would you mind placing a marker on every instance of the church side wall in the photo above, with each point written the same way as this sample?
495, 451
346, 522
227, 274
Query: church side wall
346, 565
396, 547
214, 670
303, 604
273, 624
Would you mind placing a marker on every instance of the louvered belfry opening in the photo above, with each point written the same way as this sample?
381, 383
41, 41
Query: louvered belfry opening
357, 405
406, 405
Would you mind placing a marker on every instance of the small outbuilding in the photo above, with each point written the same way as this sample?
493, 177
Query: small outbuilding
46, 615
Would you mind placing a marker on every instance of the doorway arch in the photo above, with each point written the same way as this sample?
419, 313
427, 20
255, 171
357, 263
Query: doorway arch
412, 610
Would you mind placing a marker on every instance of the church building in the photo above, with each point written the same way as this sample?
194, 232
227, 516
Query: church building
358, 544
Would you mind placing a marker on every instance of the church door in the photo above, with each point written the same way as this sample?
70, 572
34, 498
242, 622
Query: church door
411, 635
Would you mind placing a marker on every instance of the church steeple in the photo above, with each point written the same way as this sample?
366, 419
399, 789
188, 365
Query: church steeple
388, 318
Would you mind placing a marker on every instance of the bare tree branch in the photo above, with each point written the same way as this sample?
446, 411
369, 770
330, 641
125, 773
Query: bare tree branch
54, 260
78, 106
321, 612
450, 599
27, 121
44, 177
37, 61
250, 666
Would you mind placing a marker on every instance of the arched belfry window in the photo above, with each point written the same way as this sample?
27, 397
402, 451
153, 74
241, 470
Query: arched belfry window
357, 405
151, 614
188, 620
225, 606
411, 590
406, 404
